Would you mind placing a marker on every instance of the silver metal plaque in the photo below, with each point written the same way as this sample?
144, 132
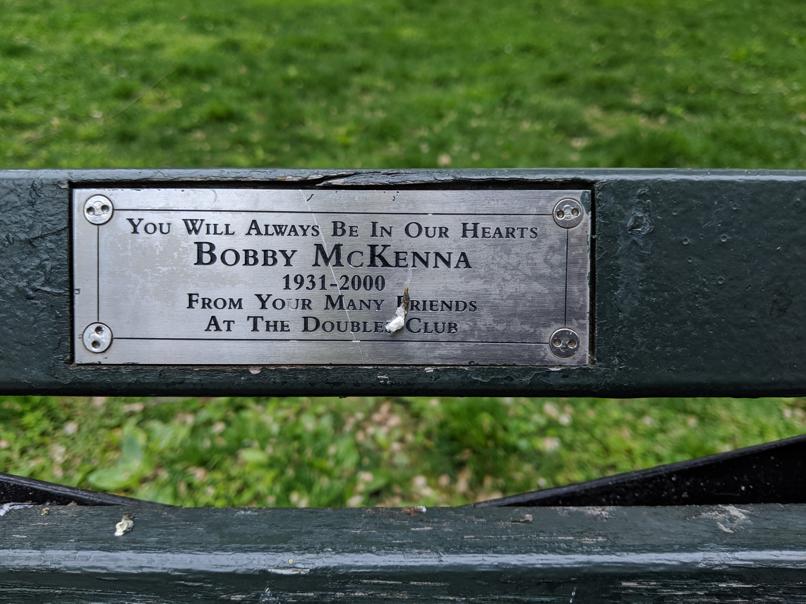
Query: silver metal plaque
227, 276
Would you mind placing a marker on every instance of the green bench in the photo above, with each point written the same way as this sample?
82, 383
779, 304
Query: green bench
674, 283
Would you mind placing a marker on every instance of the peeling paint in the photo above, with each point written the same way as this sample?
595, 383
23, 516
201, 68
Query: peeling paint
288, 571
417, 509
595, 511
7, 507
728, 518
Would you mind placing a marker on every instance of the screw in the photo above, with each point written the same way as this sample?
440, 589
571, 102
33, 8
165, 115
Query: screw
97, 337
564, 342
98, 209
568, 213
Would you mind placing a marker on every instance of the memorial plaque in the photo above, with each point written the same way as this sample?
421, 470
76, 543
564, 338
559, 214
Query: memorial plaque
250, 276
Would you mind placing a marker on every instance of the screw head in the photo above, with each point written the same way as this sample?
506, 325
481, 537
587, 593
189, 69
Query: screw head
564, 342
568, 213
97, 337
98, 209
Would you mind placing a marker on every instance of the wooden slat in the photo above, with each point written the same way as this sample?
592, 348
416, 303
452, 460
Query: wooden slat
699, 281
721, 553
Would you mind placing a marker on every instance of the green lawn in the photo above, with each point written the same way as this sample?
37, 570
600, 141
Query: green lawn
331, 83
467, 83
360, 451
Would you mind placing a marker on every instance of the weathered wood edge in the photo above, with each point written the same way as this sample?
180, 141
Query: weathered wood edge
164, 539
374, 177
381, 553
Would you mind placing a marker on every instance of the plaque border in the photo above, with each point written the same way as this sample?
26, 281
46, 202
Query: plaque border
587, 199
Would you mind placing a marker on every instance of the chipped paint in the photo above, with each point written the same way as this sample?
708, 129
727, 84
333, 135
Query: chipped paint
8, 507
728, 518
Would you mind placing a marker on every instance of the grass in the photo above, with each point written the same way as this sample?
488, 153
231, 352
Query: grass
402, 83
365, 451
328, 83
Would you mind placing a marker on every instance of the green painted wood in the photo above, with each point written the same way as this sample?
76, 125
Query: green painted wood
696, 553
699, 285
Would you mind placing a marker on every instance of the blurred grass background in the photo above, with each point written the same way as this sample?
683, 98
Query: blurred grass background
410, 83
